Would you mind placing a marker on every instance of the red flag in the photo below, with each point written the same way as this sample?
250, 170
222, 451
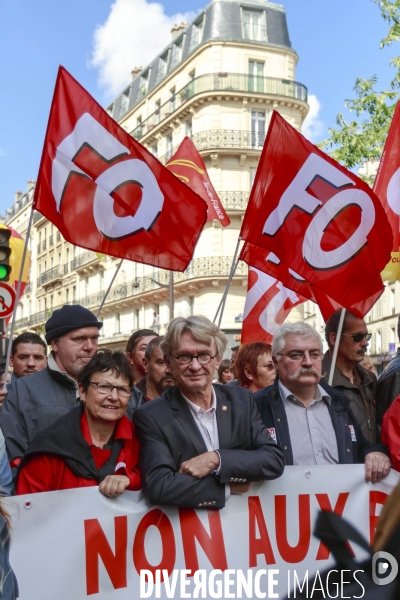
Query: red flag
318, 218
104, 191
387, 188
188, 165
268, 303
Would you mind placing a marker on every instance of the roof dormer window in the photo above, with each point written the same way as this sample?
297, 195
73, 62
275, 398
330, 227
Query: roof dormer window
143, 85
196, 34
176, 54
254, 25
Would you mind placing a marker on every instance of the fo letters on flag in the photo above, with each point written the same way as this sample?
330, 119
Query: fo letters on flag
317, 217
104, 191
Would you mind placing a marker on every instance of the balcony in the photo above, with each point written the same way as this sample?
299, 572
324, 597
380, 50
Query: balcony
52, 274
226, 83
199, 268
83, 259
216, 139
234, 200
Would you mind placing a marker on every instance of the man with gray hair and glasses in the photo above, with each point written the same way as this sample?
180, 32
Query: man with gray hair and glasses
201, 442
312, 421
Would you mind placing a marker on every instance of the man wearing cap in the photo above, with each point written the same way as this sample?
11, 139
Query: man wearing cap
34, 403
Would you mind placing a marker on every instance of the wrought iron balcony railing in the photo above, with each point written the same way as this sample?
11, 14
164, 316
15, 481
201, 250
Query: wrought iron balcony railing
215, 139
222, 82
83, 259
54, 273
216, 266
234, 200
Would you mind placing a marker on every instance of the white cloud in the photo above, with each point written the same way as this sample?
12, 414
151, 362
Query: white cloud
313, 127
133, 34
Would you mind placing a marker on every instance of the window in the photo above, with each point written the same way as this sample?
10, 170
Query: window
254, 25
74, 294
154, 150
392, 301
67, 296
138, 130
110, 109
143, 85
379, 309
117, 323
157, 114
189, 128
256, 76
252, 175
196, 34
176, 54
162, 67
172, 100
378, 342
168, 142
124, 102
257, 128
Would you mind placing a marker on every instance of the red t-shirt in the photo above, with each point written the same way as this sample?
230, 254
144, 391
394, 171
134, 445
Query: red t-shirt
47, 472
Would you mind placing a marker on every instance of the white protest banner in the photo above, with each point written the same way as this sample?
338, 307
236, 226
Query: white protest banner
76, 544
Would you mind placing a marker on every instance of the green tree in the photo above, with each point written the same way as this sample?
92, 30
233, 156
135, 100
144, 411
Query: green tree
361, 140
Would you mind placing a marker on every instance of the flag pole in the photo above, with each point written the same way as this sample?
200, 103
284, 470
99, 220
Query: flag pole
18, 292
336, 348
171, 296
109, 288
231, 273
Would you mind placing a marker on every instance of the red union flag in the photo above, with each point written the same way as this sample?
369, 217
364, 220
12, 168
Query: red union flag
268, 303
387, 188
318, 218
188, 165
104, 191
269, 263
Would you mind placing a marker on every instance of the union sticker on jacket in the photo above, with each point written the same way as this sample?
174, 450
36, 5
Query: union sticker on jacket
353, 433
271, 431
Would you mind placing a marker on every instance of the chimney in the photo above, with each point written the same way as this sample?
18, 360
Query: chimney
177, 29
30, 184
17, 196
135, 72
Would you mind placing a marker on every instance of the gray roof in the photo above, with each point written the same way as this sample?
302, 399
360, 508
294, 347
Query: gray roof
221, 20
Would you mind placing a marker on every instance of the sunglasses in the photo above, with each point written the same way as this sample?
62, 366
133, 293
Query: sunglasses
358, 337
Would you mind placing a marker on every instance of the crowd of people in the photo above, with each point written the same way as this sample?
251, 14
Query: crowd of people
174, 418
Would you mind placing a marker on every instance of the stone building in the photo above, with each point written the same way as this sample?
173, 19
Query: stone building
217, 82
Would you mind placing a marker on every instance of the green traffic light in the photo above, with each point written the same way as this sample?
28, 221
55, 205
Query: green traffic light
3, 272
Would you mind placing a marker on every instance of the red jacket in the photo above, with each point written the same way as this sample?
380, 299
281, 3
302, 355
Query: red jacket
391, 431
47, 472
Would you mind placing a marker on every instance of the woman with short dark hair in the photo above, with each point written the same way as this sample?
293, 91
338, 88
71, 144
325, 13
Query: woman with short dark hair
93, 444
254, 366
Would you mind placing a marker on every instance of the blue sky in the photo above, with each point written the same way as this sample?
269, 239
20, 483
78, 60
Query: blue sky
100, 41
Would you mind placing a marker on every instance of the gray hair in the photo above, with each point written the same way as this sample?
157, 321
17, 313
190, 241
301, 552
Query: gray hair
299, 328
201, 329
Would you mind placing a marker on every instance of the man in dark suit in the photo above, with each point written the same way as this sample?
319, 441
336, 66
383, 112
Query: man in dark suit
199, 442
311, 420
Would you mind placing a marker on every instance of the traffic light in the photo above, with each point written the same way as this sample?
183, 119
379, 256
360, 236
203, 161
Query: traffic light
5, 251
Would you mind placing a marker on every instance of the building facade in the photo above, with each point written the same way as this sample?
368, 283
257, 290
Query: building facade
217, 82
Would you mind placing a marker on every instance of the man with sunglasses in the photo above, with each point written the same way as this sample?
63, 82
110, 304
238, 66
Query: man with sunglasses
201, 442
312, 421
350, 377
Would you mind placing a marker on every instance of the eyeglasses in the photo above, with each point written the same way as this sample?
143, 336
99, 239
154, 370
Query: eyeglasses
106, 388
270, 366
297, 356
358, 337
186, 359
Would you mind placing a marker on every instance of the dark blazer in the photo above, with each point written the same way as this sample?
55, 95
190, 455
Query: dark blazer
350, 451
169, 436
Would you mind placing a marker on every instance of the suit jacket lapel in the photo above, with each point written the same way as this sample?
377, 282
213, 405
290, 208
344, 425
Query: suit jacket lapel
224, 417
186, 420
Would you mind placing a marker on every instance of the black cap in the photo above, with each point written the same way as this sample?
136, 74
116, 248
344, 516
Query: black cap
67, 319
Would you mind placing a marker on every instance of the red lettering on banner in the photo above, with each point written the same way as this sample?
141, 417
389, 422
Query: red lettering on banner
375, 498
261, 545
97, 546
325, 504
293, 554
160, 520
213, 544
